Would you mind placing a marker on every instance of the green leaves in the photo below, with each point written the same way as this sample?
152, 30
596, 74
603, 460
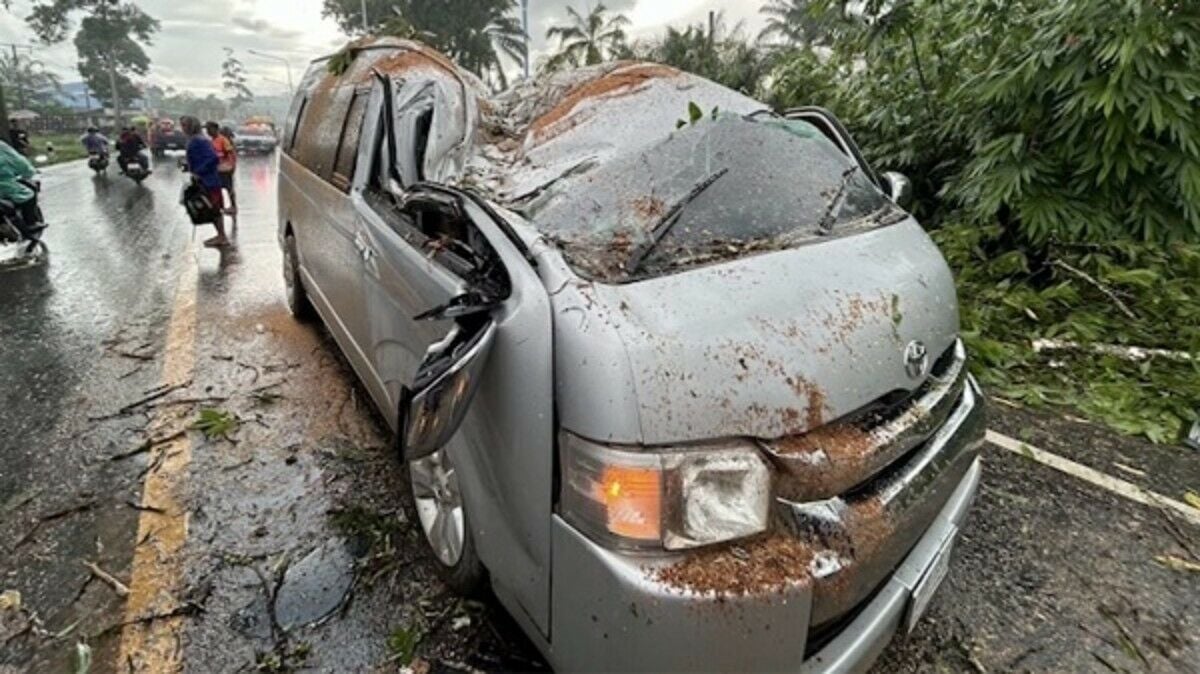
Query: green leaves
1009, 300
216, 423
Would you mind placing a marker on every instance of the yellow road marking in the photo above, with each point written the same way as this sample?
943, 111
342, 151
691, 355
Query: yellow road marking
154, 586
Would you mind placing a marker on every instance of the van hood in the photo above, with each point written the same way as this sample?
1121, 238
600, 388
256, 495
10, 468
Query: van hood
762, 347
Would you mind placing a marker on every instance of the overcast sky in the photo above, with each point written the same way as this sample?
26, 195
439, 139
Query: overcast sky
187, 51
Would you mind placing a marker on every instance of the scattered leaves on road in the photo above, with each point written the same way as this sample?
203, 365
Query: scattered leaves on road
1192, 498
1178, 563
402, 644
216, 423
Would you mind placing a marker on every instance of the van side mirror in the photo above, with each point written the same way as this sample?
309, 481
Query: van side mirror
445, 384
898, 187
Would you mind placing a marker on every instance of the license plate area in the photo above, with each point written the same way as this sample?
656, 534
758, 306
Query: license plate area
927, 587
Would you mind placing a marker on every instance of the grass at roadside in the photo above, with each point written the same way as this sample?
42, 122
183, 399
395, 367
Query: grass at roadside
1055, 329
66, 147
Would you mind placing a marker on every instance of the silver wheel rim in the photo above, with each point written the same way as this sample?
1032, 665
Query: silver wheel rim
439, 505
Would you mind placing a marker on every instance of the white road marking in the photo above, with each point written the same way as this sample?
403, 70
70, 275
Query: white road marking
1090, 475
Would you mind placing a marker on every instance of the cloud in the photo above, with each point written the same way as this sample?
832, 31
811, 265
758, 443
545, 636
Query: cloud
264, 27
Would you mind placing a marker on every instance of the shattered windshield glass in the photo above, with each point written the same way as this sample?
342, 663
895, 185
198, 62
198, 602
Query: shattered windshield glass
718, 189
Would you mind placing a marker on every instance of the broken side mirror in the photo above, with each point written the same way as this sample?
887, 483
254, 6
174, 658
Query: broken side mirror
445, 384
898, 187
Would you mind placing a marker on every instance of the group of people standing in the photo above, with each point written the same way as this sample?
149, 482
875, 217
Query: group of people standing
212, 159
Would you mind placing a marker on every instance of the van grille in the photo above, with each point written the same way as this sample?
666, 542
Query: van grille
841, 455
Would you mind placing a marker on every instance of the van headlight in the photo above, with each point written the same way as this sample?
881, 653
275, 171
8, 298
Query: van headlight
672, 498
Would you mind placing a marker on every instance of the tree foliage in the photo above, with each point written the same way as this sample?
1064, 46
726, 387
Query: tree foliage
724, 56
1063, 121
28, 82
477, 34
588, 39
109, 41
233, 80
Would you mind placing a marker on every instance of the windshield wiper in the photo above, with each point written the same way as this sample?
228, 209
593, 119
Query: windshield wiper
664, 226
825, 226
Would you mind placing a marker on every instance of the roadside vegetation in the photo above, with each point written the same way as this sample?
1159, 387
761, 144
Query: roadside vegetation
1055, 151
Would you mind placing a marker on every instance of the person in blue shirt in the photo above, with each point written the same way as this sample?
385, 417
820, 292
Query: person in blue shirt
202, 162
95, 142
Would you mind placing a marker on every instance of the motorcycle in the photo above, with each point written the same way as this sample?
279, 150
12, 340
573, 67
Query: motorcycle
15, 231
98, 163
133, 167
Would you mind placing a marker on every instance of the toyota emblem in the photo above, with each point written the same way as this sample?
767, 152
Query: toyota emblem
916, 359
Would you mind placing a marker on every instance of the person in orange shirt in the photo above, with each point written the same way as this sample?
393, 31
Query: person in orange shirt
226, 160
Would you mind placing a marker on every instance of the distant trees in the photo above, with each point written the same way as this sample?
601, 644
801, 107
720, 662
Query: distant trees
108, 42
588, 39
724, 56
477, 34
28, 82
233, 80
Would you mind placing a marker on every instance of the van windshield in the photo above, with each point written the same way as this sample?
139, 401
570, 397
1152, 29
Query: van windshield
718, 189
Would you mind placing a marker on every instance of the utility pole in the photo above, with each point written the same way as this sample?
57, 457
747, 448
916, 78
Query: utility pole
366, 26
110, 61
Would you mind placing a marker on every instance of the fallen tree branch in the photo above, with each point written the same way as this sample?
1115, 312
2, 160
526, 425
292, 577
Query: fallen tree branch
1088, 278
1133, 353
117, 586
148, 445
147, 399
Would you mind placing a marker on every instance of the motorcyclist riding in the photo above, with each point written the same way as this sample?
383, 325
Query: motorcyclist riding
95, 142
15, 174
129, 148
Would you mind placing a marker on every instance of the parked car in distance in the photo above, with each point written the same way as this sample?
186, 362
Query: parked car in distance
165, 136
686, 390
255, 139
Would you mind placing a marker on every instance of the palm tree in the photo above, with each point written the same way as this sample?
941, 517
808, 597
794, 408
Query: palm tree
475, 33
589, 39
801, 22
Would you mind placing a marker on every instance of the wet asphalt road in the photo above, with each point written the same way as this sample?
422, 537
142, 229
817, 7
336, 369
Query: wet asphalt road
230, 546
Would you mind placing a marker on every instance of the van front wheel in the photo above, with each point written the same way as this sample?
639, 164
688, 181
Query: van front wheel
437, 497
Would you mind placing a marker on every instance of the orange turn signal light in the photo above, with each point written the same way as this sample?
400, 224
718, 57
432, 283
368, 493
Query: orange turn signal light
633, 501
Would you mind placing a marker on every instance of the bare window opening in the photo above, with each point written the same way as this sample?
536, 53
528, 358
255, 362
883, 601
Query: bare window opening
421, 133
347, 152
294, 126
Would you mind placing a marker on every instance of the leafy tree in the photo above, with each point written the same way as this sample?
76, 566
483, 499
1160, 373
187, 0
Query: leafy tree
588, 40
109, 42
728, 59
795, 23
475, 33
31, 84
233, 80
1062, 121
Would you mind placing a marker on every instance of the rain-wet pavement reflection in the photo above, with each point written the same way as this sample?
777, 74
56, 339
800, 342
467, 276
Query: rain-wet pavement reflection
295, 544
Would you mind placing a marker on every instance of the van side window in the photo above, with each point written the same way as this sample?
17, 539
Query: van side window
347, 154
321, 130
293, 123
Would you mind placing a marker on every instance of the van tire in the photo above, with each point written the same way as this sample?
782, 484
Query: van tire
467, 576
297, 297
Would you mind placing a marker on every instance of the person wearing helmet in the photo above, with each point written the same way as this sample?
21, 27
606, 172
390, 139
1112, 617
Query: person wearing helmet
95, 142
18, 137
129, 149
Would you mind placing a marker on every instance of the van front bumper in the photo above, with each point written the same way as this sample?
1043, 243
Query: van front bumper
611, 612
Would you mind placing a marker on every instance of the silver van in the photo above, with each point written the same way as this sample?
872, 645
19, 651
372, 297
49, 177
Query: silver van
675, 375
